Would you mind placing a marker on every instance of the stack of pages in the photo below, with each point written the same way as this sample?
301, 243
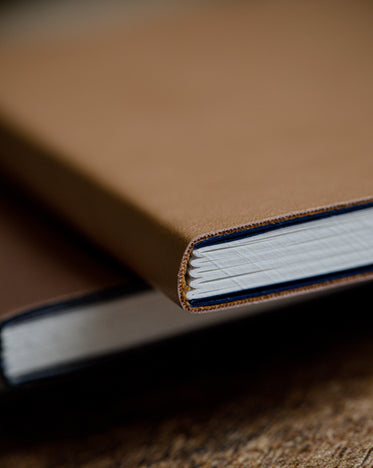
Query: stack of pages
221, 152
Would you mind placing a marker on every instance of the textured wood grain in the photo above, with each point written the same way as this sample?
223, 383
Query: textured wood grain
293, 388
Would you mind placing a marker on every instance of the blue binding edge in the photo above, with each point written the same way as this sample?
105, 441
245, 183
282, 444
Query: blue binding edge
278, 224
278, 287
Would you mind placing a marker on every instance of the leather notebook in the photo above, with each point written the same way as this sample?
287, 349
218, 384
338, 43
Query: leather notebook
223, 152
64, 305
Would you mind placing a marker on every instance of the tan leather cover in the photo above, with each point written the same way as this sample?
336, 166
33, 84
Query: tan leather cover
41, 266
151, 136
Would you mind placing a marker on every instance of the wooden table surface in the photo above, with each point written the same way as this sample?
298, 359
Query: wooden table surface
293, 387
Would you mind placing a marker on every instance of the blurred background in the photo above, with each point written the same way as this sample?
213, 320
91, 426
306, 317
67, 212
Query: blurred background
43, 18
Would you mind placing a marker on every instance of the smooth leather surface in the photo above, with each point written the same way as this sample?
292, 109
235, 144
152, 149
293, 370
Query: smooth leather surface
182, 126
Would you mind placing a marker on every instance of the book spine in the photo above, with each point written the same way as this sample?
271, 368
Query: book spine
121, 228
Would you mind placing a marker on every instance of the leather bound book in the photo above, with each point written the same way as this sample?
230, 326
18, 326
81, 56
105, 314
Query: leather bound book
223, 152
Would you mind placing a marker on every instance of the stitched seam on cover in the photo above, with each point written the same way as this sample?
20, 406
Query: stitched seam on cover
183, 286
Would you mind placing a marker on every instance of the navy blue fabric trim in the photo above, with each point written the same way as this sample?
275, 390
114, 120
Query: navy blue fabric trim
278, 224
279, 287
65, 306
